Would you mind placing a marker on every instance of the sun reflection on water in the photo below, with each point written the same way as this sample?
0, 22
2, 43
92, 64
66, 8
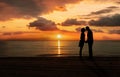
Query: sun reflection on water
59, 51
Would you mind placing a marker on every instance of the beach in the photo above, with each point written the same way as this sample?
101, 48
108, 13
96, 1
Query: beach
70, 66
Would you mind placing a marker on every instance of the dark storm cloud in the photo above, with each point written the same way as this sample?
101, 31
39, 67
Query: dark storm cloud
43, 24
70, 22
30, 8
107, 21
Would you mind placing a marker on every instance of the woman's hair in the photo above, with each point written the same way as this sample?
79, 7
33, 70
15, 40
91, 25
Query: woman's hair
83, 30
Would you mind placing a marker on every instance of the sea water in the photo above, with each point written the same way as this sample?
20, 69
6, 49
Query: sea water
52, 48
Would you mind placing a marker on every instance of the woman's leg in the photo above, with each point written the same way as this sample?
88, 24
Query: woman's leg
80, 54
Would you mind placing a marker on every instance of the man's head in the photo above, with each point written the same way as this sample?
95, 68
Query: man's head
87, 28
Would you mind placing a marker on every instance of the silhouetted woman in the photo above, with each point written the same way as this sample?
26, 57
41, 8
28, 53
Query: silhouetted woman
82, 40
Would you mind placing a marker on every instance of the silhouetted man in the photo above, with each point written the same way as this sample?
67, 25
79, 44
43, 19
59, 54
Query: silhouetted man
90, 41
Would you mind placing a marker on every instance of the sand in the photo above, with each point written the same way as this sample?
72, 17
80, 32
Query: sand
59, 67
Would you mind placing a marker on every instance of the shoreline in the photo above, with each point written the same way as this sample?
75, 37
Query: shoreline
97, 58
59, 55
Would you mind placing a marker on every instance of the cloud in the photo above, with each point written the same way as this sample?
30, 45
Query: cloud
118, 2
31, 8
98, 30
17, 9
43, 24
70, 22
3, 27
114, 31
7, 33
103, 1
13, 33
104, 11
107, 37
113, 7
78, 29
94, 30
17, 33
107, 21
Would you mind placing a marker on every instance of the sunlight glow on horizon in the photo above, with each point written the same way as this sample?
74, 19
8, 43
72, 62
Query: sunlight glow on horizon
59, 36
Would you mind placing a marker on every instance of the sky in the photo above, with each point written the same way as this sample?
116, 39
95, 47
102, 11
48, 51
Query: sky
45, 19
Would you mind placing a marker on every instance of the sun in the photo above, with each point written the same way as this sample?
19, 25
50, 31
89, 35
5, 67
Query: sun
59, 36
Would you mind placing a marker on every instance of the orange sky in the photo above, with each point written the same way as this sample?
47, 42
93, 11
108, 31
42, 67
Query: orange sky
43, 20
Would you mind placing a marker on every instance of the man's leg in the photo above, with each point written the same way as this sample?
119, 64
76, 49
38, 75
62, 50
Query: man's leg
90, 50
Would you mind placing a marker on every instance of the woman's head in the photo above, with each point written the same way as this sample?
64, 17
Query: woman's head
82, 30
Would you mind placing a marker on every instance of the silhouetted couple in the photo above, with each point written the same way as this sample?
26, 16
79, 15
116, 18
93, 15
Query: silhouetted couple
89, 41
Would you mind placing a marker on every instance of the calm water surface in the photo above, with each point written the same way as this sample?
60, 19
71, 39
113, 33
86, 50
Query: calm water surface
47, 48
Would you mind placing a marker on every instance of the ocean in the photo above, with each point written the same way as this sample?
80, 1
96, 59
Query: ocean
56, 48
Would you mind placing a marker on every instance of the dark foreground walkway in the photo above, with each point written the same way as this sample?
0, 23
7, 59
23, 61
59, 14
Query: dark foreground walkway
60, 67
